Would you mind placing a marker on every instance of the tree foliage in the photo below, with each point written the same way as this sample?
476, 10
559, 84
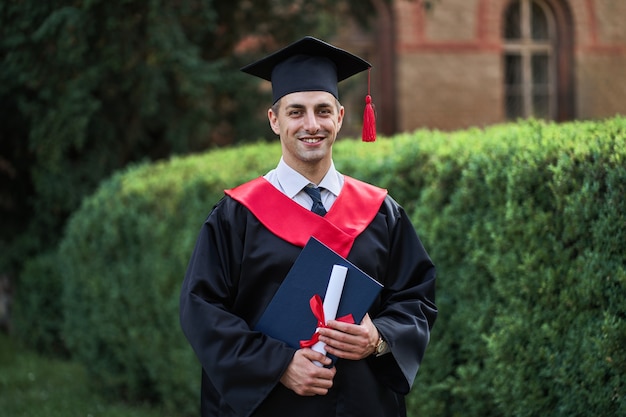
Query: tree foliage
90, 86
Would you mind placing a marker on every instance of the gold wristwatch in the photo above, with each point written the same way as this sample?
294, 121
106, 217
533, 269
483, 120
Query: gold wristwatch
381, 346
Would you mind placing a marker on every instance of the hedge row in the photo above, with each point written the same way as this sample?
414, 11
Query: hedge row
528, 226
525, 222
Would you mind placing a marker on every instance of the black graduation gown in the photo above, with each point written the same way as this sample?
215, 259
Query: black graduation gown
235, 269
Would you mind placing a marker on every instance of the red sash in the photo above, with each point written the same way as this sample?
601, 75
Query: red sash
355, 208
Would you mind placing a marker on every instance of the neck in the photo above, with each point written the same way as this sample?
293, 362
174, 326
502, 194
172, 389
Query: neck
313, 172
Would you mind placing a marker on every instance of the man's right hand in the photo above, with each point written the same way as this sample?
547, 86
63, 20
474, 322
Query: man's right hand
306, 378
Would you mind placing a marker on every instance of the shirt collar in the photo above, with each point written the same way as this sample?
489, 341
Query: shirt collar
292, 182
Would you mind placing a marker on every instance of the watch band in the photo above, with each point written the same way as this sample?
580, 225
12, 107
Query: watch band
381, 347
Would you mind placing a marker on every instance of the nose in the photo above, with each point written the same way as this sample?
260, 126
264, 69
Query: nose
311, 124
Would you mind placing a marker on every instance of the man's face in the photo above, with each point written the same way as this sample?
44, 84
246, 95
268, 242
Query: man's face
308, 123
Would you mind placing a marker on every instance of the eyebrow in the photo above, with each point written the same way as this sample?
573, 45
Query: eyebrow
302, 106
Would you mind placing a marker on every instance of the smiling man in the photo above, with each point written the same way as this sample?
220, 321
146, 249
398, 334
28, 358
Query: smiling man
251, 239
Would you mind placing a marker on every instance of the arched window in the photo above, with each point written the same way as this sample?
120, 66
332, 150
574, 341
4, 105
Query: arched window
530, 60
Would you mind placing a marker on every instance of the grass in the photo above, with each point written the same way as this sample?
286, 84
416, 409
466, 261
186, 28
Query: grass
34, 386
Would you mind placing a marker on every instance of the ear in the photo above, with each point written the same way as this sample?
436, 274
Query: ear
273, 118
340, 118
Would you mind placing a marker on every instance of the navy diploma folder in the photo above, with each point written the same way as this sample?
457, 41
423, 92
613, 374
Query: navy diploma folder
288, 316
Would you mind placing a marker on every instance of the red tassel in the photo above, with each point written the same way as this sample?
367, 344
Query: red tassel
369, 118
369, 121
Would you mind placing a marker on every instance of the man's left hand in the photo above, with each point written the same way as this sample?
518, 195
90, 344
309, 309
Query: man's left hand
350, 341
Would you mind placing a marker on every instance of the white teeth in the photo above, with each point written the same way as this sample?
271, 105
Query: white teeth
311, 140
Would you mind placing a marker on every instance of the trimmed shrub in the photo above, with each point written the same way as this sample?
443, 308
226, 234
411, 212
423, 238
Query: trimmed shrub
530, 244
124, 257
524, 221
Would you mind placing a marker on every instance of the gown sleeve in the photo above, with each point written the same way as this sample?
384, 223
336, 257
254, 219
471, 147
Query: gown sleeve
407, 310
242, 365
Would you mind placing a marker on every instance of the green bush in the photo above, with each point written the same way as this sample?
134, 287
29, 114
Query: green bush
38, 313
524, 221
123, 260
530, 241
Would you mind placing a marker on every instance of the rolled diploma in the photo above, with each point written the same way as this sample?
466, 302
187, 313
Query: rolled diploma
331, 300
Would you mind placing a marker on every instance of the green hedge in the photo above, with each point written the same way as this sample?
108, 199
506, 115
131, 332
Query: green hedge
124, 257
525, 222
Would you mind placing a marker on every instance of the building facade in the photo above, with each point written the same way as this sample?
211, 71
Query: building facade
453, 64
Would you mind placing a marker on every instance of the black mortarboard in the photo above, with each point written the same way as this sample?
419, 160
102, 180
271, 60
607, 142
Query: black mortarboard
313, 65
307, 65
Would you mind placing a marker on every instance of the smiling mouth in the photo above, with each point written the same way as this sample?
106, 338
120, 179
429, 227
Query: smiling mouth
311, 140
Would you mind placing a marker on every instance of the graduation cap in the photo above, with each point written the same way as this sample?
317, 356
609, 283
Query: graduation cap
313, 65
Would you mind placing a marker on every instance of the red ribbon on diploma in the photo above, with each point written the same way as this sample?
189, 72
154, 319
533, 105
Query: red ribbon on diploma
317, 307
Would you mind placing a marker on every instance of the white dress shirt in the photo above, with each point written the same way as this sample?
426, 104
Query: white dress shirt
290, 182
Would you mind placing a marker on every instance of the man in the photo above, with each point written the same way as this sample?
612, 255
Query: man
253, 236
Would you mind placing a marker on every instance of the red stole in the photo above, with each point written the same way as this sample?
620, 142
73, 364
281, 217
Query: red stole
355, 208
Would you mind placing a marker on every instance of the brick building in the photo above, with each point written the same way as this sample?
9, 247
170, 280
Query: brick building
452, 64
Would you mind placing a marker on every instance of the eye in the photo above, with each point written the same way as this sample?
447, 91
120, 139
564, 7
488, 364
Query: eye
294, 113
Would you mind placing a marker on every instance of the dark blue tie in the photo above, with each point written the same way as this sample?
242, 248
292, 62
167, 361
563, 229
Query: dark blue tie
316, 196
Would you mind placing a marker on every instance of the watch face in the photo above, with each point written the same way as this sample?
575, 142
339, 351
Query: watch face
381, 346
